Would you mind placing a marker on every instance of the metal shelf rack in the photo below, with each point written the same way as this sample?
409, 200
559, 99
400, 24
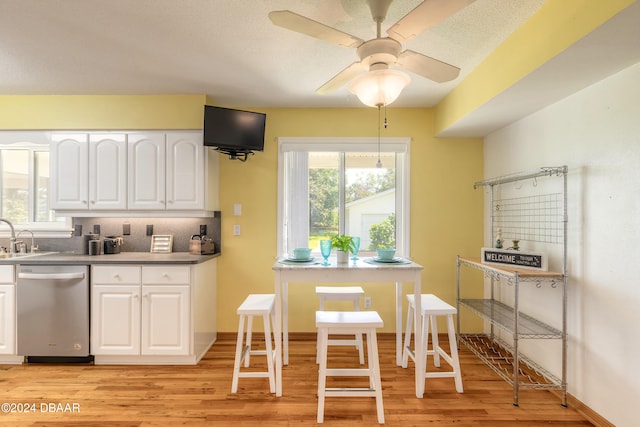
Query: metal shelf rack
539, 217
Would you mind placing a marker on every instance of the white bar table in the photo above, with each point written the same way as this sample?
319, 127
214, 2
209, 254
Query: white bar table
360, 272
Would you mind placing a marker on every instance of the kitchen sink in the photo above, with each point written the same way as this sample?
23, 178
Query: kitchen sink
25, 255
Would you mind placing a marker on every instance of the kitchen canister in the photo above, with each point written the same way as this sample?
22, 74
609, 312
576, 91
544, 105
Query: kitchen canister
94, 247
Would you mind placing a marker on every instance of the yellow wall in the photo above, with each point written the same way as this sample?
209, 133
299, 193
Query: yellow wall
101, 112
446, 213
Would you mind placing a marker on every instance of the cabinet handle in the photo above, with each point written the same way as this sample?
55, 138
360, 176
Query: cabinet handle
84, 202
170, 202
93, 202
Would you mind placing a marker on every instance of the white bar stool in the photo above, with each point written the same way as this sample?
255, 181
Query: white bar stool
432, 307
255, 305
342, 293
349, 322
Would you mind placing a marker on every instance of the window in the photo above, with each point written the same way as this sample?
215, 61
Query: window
24, 183
331, 186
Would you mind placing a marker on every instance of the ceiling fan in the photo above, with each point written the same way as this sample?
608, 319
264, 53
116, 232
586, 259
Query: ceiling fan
380, 54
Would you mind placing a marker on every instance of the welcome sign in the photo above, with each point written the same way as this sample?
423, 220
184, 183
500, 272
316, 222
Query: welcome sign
516, 259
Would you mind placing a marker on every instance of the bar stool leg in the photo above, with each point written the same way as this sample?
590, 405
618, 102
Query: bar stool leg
453, 349
269, 352
372, 351
323, 336
407, 337
434, 341
356, 307
238, 359
249, 340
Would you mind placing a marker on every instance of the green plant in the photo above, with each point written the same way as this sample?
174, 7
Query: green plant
342, 242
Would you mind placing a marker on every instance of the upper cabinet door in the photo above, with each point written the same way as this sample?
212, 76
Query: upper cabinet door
146, 171
185, 171
108, 171
69, 161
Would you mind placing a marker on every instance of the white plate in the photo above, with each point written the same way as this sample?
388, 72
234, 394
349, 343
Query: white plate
392, 260
290, 259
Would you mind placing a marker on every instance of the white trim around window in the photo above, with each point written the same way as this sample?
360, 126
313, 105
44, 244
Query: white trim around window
400, 146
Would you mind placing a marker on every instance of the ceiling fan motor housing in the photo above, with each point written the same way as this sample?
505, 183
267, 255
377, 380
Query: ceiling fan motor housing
383, 50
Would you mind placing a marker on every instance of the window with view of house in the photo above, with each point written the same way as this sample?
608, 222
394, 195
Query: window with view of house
332, 186
24, 183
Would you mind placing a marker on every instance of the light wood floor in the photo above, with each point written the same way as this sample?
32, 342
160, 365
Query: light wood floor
200, 395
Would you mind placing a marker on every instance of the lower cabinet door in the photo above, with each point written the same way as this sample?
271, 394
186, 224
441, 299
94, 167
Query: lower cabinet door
7, 319
115, 320
165, 320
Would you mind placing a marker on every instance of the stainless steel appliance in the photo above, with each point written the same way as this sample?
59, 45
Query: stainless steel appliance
112, 244
53, 311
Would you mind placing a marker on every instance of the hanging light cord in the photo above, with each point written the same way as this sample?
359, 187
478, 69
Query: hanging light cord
379, 164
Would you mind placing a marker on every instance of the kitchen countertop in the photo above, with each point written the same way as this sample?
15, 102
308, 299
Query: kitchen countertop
70, 258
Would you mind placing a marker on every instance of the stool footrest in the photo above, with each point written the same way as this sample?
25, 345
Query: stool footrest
342, 342
440, 374
349, 372
355, 392
253, 374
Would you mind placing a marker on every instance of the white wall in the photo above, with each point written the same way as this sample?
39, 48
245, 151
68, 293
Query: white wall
596, 132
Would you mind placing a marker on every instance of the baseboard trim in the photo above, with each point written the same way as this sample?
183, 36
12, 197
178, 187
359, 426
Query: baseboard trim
584, 410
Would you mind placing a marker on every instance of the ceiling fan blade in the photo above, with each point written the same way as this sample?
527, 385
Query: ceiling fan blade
341, 78
424, 16
428, 67
301, 24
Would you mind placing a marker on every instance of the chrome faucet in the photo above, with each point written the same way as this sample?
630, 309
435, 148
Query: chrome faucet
12, 245
23, 246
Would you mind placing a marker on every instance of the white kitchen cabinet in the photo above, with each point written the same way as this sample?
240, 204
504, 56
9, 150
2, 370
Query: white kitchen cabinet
165, 320
142, 311
146, 170
88, 171
7, 310
115, 310
69, 166
107, 171
166, 171
115, 319
7, 319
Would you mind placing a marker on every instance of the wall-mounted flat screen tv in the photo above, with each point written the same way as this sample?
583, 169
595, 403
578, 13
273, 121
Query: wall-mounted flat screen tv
233, 131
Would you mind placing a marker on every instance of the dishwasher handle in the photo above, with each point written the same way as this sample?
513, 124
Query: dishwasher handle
51, 276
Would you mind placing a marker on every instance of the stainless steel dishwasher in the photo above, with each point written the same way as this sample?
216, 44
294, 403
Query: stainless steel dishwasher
53, 312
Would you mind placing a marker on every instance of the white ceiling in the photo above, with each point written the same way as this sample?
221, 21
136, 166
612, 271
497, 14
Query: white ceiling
229, 49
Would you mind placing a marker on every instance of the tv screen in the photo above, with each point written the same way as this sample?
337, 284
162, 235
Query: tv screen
233, 131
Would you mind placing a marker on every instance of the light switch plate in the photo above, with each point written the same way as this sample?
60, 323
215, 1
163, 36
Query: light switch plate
236, 230
237, 209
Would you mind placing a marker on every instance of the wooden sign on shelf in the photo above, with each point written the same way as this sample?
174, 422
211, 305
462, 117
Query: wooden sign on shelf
516, 259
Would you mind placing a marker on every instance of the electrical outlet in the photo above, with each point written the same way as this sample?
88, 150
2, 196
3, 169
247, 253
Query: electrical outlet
236, 230
126, 229
367, 302
203, 229
149, 229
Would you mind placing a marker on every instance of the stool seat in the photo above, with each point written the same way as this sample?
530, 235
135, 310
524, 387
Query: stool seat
342, 320
342, 293
431, 308
334, 292
255, 305
349, 322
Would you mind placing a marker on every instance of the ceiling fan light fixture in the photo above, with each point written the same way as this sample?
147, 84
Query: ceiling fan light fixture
379, 87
